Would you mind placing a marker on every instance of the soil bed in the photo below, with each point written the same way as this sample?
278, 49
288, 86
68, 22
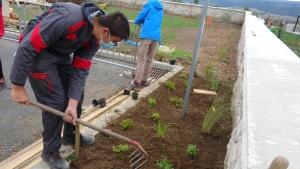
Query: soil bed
182, 130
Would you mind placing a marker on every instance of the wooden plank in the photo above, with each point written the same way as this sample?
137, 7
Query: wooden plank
199, 91
20, 153
32, 163
17, 161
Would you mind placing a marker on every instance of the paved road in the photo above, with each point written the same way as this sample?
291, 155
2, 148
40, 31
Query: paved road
20, 126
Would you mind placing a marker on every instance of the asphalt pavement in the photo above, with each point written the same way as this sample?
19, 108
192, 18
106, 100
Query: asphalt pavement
21, 125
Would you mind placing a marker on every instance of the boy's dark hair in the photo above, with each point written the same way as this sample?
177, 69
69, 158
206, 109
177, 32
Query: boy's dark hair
117, 23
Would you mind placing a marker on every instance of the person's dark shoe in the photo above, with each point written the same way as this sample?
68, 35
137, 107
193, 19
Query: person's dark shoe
54, 160
135, 86
145, 84
84, 140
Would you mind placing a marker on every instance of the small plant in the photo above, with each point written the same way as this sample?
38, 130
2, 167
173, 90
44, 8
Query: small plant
183, 75
223, 52
155, 116
120, 148
161, 55
126, 124
214, 85
180, 53
151, 101
191, 150
210, 72
177, 101
164, 164
227, 15
185, 83
220, 106
231, 32
170, 85
161, 129
71, 157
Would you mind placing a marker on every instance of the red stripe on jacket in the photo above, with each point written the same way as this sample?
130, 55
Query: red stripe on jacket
36, 39
81, 63
71, 35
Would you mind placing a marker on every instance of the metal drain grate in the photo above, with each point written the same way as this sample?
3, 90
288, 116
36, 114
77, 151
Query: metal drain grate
156, 74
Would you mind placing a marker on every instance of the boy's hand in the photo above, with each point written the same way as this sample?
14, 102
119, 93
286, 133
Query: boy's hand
19, 95
72, 111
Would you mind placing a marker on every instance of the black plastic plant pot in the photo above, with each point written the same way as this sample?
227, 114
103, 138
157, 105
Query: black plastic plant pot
135, 95
102, 102
95, 102
172, 62
126, 91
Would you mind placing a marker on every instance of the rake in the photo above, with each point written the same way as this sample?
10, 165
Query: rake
138, 157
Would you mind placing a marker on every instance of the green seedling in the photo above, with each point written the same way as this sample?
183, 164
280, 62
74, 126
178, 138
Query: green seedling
191, 150
155, 116
164, 164
177, 101
170, 85
126, 124
71, 157
151, 101
183, 75
214, 85
220, 106
185, 83
231, 32
161, 129
120, 148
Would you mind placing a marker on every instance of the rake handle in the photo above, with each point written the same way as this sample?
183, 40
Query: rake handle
61, 114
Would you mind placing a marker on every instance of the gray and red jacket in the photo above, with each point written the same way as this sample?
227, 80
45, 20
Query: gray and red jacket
63, 29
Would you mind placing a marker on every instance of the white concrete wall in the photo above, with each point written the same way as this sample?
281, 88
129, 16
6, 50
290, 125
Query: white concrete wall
187, 10
266, 103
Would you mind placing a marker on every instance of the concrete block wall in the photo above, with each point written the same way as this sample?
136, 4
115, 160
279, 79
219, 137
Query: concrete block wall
186, 10
266, 101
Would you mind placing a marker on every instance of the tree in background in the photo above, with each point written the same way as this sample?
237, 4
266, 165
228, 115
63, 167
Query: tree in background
196, 1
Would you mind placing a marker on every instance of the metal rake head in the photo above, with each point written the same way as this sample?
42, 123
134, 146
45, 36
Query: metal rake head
138, 158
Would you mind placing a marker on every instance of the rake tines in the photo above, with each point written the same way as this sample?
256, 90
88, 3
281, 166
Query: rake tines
138, 158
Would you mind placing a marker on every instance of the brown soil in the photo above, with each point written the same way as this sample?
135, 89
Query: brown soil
182, 130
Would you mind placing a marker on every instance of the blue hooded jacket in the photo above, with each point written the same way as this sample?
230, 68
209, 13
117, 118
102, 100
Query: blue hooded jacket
151, 19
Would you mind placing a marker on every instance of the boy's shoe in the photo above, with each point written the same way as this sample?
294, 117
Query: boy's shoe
145, 84
54, 160
135, 86
84, 140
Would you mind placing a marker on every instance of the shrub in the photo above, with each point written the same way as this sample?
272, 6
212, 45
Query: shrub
151, 101
155, 116
191, 150
183, 75
161, 129
126, 124
220, 106
164, 164
170, 85
177, 101
120, 148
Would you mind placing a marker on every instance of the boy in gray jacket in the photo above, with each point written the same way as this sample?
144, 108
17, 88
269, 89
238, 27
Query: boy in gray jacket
56, 78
